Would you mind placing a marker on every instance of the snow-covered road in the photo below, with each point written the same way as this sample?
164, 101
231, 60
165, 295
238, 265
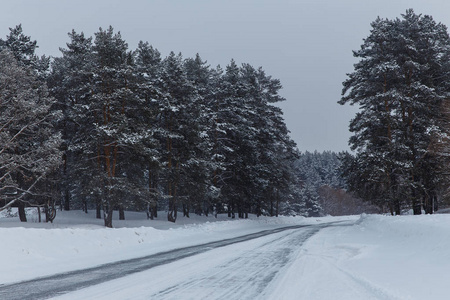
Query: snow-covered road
241, 266
238, 271
377, 257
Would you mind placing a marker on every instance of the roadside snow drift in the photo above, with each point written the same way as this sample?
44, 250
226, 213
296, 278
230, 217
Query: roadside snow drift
382, 257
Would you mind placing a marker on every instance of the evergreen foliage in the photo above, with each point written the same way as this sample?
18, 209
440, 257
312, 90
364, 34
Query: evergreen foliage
315, 171
400, 85
322, 187
141, 132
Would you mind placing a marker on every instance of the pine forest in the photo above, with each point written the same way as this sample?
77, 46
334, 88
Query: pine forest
106, 128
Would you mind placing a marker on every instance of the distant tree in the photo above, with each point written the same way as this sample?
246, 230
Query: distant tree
338, 202
311, 198
319, 171
320, 168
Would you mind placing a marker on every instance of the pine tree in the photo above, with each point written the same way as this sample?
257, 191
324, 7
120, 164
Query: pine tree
200, 182
70, 82
233, 113
96, 84
311, 198
179, 124
221, 124
23, 49
113, 105
258, 151
149, 71
399, 83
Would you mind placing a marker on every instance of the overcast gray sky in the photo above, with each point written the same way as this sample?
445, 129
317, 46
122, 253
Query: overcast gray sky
306, 44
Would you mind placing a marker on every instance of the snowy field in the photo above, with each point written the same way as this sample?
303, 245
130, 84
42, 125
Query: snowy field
380, 257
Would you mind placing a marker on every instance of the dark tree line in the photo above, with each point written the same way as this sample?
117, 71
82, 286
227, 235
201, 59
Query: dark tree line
402, 86
135, 130
323, 190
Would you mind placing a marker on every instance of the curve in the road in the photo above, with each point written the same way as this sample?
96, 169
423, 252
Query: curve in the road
50, 286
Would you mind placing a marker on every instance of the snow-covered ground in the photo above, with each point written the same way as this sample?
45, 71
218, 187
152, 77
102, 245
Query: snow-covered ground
381, 257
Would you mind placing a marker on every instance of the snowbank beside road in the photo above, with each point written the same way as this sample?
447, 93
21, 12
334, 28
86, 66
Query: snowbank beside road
383, 257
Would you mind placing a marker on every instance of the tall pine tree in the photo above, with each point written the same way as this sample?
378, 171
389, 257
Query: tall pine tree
399, 83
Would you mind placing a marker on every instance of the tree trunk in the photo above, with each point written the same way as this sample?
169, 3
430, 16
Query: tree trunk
278, 203
22, 214
152, 188
397, 207
151, 213
417, 206
240, 210
173, 201
85, 206
429, 203
107, 215
66, 193
216, 210
121, 213
98, 214
185, 210
39, 213
271, 207
67, 201
435, 203
154, 209
258, 208
417, 210
171, 217
172, 214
